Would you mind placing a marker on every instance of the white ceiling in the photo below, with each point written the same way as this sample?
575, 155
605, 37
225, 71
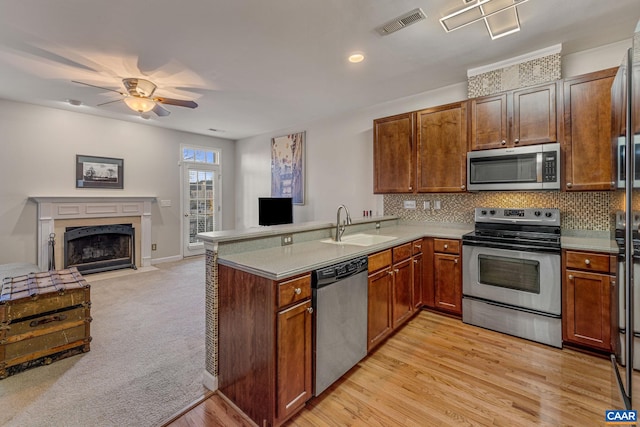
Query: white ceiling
256, 66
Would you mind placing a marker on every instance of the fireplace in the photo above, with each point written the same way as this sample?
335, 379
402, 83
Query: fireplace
98, 248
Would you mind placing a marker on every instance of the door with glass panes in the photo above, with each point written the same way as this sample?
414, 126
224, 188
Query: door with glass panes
201, 206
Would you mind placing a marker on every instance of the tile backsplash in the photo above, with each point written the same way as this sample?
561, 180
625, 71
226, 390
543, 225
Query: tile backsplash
579, 211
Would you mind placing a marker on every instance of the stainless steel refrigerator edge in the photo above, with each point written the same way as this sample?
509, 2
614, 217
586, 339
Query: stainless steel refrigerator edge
625, 88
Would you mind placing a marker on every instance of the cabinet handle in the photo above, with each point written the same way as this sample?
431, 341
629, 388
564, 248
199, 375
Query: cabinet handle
390, 272
418, 247
310, 310
613, 283
297, 291
503, 142
517, 141
569, 185
586, 261
571, 277
446, 246
396, 270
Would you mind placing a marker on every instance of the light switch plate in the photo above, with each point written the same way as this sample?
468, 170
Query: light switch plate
437, 205
165, 203
409, 204
427, 205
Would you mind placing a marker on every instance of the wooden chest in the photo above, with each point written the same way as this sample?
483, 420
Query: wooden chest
43, 317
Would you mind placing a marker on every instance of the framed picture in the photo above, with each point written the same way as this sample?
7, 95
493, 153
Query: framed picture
287, 167
99, 172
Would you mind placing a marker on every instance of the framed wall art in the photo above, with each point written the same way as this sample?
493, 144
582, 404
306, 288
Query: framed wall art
287, 167
99, 172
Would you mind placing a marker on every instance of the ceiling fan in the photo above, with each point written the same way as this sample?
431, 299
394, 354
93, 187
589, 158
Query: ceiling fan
139, 97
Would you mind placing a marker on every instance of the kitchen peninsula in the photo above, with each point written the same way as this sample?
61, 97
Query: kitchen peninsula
258, 298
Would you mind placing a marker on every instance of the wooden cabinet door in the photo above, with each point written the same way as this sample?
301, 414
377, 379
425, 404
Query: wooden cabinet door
489, 122
533, 116
587, 311
587, 139
448, 283
402, 291
442, 149
418, 272
393, 154
379, 307
294, 359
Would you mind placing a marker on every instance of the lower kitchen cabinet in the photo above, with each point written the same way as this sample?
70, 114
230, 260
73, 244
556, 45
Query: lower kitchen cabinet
265, 349
379, 322
589, 291
402, 301
418, 275
445, 291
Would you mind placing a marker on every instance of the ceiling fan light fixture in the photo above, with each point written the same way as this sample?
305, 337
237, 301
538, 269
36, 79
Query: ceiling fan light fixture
140, 105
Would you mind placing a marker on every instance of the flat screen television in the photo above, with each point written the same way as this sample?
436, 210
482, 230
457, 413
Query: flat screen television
275, 210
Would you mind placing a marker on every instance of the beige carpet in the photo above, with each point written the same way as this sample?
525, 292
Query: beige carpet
146, 361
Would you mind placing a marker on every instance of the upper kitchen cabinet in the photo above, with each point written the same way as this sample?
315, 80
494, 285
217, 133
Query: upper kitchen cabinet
519, 117
587, 132
394, 154
442, 148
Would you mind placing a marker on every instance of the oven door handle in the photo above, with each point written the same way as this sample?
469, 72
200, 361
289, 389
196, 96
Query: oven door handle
511, 221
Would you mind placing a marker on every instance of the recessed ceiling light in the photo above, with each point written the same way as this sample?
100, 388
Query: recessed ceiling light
356, 57
74, 102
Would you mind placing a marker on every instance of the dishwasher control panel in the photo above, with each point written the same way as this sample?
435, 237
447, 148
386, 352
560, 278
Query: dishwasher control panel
339, 271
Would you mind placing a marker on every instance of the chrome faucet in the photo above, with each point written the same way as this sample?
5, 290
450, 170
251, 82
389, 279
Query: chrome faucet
340, 228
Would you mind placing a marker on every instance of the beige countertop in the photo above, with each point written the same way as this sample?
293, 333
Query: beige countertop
281, 262
286, 261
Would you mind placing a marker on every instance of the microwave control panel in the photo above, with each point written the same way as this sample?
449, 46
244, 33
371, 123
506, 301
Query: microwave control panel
549, 167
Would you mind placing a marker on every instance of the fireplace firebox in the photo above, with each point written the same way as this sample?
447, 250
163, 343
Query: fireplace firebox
99, 248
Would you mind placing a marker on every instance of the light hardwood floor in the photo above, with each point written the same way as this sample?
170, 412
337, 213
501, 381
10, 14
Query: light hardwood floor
437, 371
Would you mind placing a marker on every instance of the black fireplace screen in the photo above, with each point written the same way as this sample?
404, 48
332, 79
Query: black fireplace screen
99, 247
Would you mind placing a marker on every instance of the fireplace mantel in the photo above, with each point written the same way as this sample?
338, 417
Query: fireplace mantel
51, 209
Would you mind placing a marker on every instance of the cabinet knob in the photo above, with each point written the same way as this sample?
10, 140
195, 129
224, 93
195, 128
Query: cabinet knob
310, 310
613, 283
455, 261
415, 261
571, 277
503, 142
390, 272
516, 141
586, 261
410, 187
396, 270
613, 184
569, 185
462, 187
418, 247
297, 291
446, 246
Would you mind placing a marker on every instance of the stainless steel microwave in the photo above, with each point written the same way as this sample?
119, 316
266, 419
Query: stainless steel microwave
531, 167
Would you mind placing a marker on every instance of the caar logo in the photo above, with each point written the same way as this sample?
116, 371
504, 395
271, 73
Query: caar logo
612, 417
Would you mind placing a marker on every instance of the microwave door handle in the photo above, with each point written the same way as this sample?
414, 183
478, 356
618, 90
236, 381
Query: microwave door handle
538, 167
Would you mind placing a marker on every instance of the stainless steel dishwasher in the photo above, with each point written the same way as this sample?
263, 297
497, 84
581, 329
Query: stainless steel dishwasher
340, 305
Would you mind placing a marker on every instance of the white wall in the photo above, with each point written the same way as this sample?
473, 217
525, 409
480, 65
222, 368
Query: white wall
339, 151
37, 158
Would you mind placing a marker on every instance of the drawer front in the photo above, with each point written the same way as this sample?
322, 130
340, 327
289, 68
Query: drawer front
292, 291
588, 261
447, 246
402, 252
417, 247
379, 260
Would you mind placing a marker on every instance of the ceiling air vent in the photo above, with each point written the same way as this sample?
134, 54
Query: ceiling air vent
401, 22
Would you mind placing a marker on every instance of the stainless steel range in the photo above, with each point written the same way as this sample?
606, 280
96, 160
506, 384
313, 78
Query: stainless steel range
511, 276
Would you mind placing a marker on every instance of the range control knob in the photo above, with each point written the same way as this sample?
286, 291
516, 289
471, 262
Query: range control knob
548, 214
537, 213
483, 212
492, 212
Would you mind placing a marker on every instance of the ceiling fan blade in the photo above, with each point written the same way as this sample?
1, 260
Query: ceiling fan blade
98, 87
108, 102
177, 102
160, 110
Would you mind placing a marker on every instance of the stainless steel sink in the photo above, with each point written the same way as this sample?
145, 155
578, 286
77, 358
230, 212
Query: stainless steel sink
361, 239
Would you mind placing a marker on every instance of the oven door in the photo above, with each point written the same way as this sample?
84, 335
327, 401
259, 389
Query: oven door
529, 280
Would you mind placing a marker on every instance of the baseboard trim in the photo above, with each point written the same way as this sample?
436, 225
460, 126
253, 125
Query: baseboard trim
210, 381
167, 259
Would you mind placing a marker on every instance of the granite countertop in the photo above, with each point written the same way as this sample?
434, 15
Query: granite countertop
285, 261
587, 240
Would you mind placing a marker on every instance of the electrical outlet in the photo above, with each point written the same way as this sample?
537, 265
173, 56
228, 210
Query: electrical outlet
165, 203
427, 205
437, 205
154, 246
409, 204
287, 239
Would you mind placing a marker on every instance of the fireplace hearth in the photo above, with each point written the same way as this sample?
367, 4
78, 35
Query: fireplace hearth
99, 248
